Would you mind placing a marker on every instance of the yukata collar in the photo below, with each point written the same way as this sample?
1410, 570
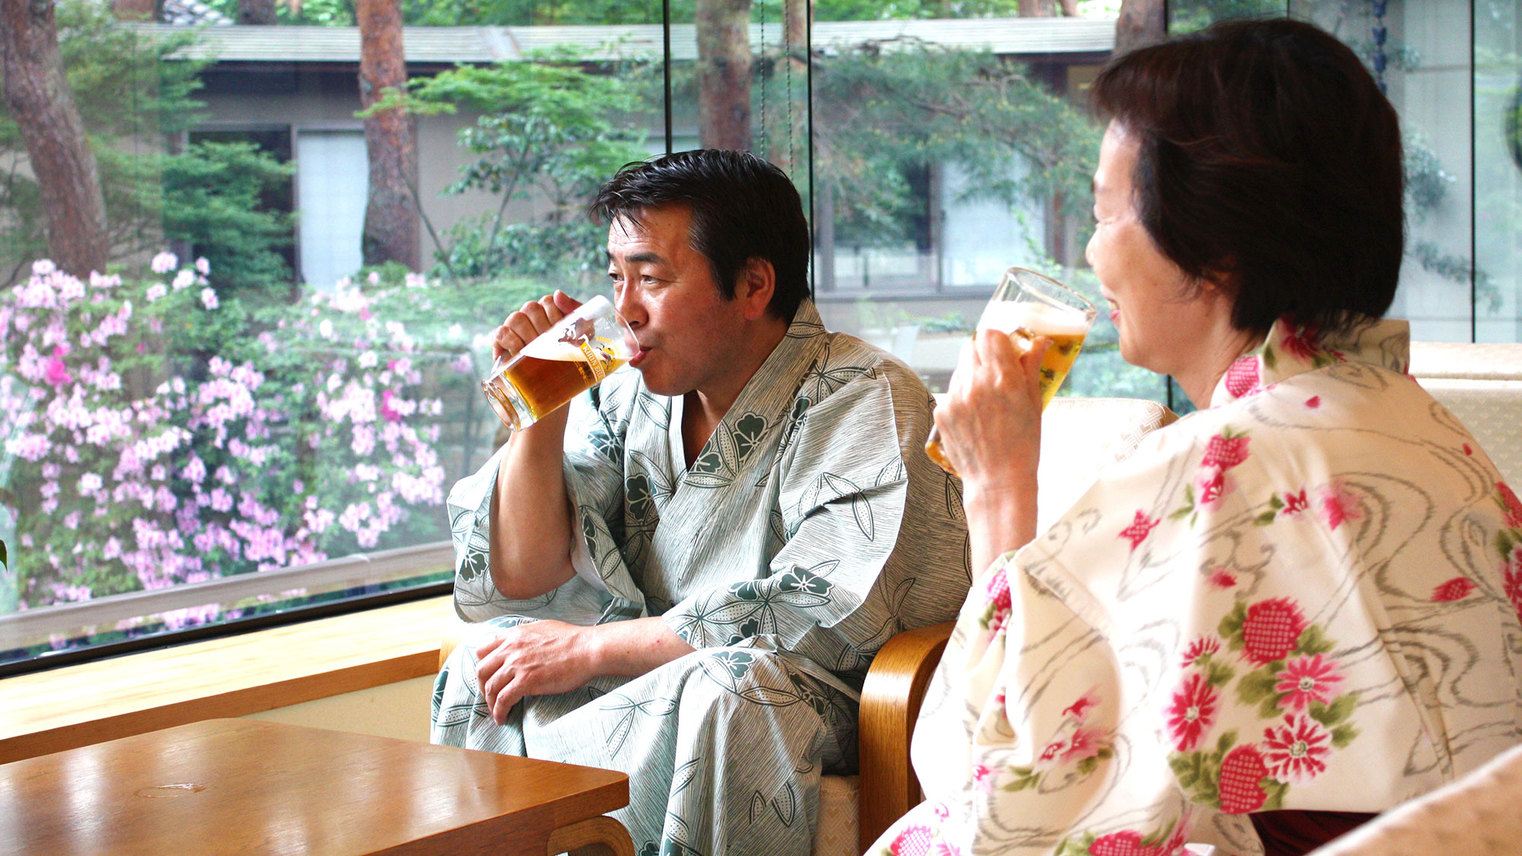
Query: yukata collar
1290, 349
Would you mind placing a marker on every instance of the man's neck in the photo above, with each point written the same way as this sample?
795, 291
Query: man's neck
703, 409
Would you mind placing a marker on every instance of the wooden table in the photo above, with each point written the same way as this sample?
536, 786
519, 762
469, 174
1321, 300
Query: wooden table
247, 786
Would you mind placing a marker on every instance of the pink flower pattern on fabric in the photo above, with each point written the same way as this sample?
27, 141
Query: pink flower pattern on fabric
1191, 712
1271, 628
1306, 679
1297, 750
1139, 529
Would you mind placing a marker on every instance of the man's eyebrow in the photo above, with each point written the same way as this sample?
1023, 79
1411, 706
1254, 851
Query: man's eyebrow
641, 257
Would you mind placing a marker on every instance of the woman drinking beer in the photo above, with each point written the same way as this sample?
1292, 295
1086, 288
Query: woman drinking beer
1286, 611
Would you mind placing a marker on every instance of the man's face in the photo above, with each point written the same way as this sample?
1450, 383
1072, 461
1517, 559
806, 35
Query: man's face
665, 289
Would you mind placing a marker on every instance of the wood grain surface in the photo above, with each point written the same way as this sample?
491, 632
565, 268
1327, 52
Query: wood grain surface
240, 786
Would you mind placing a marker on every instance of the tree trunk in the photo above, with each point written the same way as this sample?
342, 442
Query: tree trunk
724, 73
40, 101
1141, 23
1037, 8
256, 12
391, 215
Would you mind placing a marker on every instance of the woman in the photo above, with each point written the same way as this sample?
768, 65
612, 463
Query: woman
1291, 609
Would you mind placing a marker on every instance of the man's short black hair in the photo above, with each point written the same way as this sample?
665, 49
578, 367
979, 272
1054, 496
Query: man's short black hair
743, 208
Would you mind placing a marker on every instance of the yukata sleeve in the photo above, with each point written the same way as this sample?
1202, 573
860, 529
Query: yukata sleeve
834, 589
594, 486
1015, 743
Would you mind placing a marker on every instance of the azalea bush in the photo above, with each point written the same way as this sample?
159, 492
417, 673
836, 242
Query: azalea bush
156, 434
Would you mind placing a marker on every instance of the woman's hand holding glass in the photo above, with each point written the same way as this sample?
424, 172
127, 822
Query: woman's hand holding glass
990, 430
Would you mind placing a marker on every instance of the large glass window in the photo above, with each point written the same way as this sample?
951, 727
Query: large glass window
242, 420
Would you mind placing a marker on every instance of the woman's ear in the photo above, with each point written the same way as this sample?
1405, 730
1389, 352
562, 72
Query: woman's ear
757, 283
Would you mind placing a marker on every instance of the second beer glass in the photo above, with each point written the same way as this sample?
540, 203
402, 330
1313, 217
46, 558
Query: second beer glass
1027, 305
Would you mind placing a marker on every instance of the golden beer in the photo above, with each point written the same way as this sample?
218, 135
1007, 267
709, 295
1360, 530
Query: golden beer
561, 363
1023, 320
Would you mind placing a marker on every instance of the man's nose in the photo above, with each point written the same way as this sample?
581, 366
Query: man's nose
628, 305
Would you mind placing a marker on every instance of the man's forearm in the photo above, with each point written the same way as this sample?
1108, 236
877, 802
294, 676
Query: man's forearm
530, 551
632, 648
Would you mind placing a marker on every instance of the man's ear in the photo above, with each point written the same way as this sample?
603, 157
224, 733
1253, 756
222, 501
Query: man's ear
755, 286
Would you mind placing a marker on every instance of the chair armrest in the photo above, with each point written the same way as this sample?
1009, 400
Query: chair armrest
890, 703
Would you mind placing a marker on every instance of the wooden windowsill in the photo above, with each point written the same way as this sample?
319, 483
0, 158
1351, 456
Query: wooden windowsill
234, 676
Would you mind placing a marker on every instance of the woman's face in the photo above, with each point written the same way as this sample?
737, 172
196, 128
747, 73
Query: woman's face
1157, 309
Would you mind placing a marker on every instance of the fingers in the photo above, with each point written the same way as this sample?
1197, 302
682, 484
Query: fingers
527, 323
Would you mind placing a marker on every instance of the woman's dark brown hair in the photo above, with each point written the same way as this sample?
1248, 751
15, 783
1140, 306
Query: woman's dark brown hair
1269, 164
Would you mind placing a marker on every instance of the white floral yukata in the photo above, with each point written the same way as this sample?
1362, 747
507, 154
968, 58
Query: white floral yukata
808, 530
1304, 597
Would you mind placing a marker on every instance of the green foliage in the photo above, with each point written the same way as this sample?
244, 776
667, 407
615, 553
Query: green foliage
885, 110
544, 131
212, 193
132, 96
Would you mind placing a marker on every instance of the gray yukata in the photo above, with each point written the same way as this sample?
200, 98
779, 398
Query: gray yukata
810, 529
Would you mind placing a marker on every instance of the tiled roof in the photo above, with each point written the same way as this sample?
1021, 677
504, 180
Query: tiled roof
244, 43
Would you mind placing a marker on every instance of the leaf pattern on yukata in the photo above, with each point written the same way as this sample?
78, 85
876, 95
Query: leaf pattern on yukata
824, 378
784, 803
861, 507
463, 529
606, 443
749, 431
631, 708
796, 415
658, 411
683, 775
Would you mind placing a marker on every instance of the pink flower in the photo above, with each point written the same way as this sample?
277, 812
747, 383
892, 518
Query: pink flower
209, 298
1296, 751
1457, 588
983, 777
997, 601
1303, 342
1304, 680
1242, 376
1191, 712
57, 373
1221, 577
1199, 649
1225, 450
913, 840
1271, 629
1241, 782
1338, 504
389, 413
1079, 709
163, 263
1085, 743
1211, 486
1313, 402
1294, 503
1512, 505
1139, 529
1511, 572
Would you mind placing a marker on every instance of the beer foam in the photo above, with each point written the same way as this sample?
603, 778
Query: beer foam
1042, 319
549, 348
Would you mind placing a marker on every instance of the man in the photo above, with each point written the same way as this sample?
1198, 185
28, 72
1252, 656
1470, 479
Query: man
688, 583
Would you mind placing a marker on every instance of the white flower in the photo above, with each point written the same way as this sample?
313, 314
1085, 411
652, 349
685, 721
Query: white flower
164, 263
209, 298
203, 266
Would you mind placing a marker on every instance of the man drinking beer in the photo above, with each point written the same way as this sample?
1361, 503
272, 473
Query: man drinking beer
685, 574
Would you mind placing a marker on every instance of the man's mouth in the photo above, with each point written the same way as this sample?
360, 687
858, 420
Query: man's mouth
639, 357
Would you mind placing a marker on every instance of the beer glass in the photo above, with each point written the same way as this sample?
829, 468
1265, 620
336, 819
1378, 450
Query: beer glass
1026, 305
571, 357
